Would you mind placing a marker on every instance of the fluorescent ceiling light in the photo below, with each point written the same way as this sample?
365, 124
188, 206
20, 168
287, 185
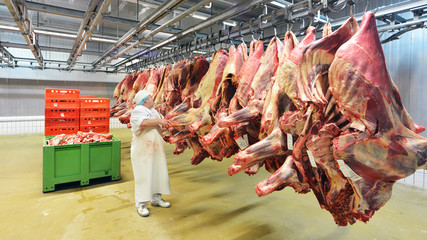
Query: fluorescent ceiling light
57, 34
103, 40
278, 4
199, 52
230, 23
4, 27
199, 16
167, 48
163, 34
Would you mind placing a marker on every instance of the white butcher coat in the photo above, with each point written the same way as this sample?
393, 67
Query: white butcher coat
148, 157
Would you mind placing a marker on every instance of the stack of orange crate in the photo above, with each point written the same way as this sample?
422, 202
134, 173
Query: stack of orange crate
94, 114
61, 111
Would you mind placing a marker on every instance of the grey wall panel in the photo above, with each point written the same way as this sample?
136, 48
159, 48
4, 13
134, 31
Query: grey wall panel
407, 63
26, 97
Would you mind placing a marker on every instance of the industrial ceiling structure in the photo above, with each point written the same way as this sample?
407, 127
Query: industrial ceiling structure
125, 35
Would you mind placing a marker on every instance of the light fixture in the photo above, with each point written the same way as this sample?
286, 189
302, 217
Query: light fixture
103, 40
279, 4
230, 23
194, 15
57, 34
167, 48
199, 52
4, 27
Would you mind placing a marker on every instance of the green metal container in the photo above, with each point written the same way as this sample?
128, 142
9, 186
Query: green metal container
80, 162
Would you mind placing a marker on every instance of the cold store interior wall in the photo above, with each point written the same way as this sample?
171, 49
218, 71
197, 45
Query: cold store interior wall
22, 90
407, 64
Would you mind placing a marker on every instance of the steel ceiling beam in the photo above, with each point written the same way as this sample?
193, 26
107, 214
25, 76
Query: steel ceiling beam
88, 32
160, 12
6, 57
93, 8
20, 14
148, 36
240, 8
50, 49
67, 12
397, 8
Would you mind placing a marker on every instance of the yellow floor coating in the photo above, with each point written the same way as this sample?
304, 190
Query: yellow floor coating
206, 204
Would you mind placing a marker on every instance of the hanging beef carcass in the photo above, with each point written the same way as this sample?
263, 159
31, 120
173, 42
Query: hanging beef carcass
226, 91
152, 82
331, 189
230, 82
245, 78
197, 68
197, 120
312, 150
172, 89
252, 96
141, 79
382, 146
253, 93
127, 96
118, 95
220, 104
158, 98
271, 150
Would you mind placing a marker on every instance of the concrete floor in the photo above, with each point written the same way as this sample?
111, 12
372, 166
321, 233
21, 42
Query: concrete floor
206, 204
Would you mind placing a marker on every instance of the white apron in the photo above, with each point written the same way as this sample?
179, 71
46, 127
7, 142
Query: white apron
148, 157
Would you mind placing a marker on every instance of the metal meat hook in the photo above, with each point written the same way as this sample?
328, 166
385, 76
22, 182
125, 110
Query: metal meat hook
230, 41
273, 21
251, 28
261, 34
240, 32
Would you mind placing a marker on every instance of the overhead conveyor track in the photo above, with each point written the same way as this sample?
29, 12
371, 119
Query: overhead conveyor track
111, 50
242, 7
144, 44
160, 12
19, 13
94, 14
301, 13
6, 58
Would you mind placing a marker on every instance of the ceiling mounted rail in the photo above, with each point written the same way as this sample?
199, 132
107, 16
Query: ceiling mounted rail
186, 13
73, 13
160, 12
290, 14
240, 8
397, 8
96, 10
20, 14
6, 57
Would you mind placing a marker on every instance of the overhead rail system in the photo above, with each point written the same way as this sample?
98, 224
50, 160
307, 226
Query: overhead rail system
20, 14
6, 59
135, 32
298, 15
93, 15
395, 19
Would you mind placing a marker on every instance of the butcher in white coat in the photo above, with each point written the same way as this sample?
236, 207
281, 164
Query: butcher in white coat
148, 154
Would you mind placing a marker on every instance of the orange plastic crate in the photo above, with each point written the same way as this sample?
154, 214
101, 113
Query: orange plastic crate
94, 121
61, 103
61, 113
61, 122
94, 112
94, 102
52, 131
95, 128
62, 93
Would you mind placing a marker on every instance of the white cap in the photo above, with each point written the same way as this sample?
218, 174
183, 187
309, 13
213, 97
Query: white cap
141, 95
